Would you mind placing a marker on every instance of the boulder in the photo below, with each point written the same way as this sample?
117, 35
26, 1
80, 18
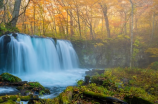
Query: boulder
7, 39
14, 35
6, 77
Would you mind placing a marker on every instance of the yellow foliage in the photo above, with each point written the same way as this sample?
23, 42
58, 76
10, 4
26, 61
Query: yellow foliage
153, 51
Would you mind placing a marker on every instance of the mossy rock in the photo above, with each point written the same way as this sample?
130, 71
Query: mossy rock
10, 102
34, 85
9, 78
66, 96
13, 98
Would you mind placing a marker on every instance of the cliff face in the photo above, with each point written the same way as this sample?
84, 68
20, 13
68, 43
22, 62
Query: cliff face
108, 54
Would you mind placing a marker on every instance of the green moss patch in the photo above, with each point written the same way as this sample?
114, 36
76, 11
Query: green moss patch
9, 78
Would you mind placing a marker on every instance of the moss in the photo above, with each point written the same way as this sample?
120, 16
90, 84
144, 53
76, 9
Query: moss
47, 91
80, 82
96, 95
35, 84
10, 102
66, 96
9, 78
1, 100
13, 98
18, 99
48, 101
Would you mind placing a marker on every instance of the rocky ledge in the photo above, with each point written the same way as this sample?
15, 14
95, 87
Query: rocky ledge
27, 91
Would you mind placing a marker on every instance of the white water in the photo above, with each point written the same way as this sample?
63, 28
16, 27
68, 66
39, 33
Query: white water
30, 55
41, 59
6, 89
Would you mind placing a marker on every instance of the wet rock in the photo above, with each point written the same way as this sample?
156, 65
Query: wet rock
7, 32
7, 39
136, 100
94, 72
19, 83
32, 98
14, 35
87, 79
103, 99
55, 40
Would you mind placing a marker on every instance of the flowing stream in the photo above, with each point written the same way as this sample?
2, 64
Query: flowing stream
53, 63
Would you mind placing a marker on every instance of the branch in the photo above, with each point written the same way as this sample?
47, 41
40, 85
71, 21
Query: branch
4, 10
131, 2
22, 12
4, 4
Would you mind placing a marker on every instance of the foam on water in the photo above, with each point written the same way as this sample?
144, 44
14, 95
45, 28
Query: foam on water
59, 78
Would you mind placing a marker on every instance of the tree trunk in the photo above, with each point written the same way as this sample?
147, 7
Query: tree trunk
91, 27
78, 17
125, 23
104, 9
1, 4
67, 24
136, 24
131, 50
91, 31
153, 27
15, 12
34, 15
71, 23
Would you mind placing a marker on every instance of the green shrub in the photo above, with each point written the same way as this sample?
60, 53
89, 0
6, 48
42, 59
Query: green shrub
7, 27
154, 65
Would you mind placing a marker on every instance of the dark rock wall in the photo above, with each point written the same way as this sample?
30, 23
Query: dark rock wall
108, 54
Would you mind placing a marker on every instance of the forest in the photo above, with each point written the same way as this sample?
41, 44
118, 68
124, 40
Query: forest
105, 51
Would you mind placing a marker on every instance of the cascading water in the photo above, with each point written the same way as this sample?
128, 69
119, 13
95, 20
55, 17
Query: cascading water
27, 55
40, 59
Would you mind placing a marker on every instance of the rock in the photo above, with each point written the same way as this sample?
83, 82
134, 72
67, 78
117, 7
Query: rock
32, 98
7, 32
55, 40
94, 72
7, 39
14, 35
24, 87
87, 79
19, 83
6, 77
136, 100
103, 98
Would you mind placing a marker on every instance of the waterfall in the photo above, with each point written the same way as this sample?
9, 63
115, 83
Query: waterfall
25, 54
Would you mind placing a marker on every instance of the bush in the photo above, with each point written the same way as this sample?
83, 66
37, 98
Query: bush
154, 65
7, 28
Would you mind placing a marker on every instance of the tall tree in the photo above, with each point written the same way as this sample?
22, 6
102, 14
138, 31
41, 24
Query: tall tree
131, 49
15, 14
104, 9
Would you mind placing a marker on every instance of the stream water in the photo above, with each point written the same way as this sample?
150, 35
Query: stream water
53, 63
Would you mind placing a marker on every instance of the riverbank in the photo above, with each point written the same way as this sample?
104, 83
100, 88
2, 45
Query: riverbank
119, 85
